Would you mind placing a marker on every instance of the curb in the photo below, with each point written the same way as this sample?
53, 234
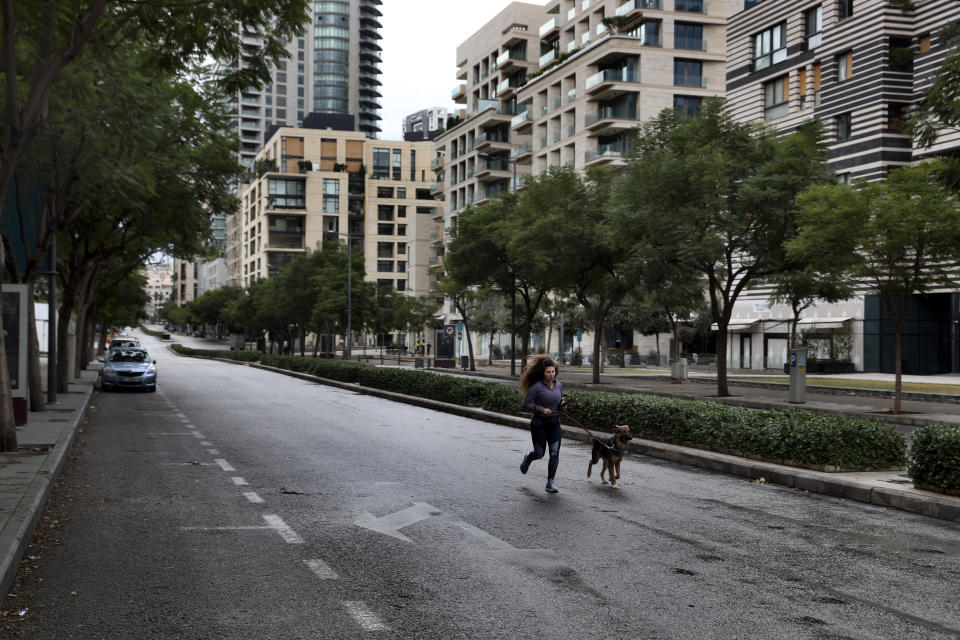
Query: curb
914, 501
23, 520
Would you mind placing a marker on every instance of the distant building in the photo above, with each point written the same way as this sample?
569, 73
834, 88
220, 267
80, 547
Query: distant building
159, 285
332, 68
424, 124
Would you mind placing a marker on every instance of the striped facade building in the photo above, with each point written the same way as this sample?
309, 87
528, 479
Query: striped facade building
859, 67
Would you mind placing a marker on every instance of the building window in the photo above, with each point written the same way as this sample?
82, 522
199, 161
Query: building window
397, 156
844, 66
843, 178
385, 229
331, 195
401, 192
844, 9
687, 106
401, 229
401, 266
844, 124
401, 248
385, 213
385, 266
381, 163
382, 282
384, 249
384, 192
690, 6
813, 26
688, 73
649, 33
688, 36
897, 115
401, 211
775, 98
401, 285
770, 47
287, 194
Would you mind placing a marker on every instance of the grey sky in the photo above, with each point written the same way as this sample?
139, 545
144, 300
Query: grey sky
420, 39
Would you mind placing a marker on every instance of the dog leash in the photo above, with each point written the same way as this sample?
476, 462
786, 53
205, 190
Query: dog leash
604, 444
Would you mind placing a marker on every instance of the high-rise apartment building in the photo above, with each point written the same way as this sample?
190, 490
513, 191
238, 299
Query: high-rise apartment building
332, 68
859, 67
316, 185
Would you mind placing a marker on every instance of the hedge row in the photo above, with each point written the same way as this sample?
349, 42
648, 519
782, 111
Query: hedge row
935, 457
150, 332
788, 436
464, 392
240, 356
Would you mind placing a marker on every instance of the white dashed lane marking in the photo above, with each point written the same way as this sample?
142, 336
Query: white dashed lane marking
364, 616
253, 497
321, 569
240, 482
277, 524
224, 464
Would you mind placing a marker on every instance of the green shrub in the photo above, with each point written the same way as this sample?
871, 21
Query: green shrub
935, 456
240, 356
150, 332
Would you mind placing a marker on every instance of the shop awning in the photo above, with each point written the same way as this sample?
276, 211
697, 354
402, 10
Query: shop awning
823, 323
737, 324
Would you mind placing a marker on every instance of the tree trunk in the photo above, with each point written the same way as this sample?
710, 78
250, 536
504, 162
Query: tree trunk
897, 367
466, 334
34, 374
597, 349
303, 340
722, 387
490, 350
8, 426
63, 347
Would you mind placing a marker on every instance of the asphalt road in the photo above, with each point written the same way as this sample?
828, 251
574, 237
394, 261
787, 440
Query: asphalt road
238, 503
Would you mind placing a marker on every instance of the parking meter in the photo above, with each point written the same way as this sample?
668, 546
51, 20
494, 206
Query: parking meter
798, 375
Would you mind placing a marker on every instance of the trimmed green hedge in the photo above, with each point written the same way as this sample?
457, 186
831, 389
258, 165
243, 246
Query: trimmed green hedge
150, 332
470, 393
788, 436
935, 457
240, 356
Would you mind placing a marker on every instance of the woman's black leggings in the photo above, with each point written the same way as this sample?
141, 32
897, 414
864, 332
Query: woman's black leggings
544, 436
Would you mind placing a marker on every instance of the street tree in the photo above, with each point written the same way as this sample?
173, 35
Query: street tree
896, 238
717, 196
41, 39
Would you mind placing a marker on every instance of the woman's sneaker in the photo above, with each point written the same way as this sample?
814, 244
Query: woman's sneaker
551, 487
525, 464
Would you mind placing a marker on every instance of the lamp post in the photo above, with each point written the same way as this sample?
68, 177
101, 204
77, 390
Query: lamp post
513, 306
349, 237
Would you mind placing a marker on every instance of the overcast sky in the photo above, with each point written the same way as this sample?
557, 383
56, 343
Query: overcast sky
420, 39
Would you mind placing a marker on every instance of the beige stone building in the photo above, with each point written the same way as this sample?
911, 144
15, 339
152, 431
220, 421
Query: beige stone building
567, 83
313, 185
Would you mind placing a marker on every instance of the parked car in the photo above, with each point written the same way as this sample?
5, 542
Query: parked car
118, 343
128, 367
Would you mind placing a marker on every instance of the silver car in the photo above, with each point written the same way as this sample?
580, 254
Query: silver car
128, 367
116, 343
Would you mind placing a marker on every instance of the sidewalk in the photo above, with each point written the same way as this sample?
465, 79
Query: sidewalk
26, 477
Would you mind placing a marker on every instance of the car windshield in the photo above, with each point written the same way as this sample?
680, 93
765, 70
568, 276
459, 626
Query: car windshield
128, 355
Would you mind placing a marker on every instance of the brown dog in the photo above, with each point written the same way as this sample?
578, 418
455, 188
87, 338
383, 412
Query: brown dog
611, 451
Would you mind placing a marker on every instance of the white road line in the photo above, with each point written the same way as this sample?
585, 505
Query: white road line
176, 433
182, 416
364, 616
240, 482
277, 524
253, 497
224, 464
322, 569
213, 452
198, 435
206, 443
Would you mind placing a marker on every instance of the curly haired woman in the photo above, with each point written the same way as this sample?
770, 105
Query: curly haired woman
543, 396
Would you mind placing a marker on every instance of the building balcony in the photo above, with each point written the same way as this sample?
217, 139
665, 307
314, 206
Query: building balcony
633, 9
611, 119
493, 170
285, 240
459, 94
547, 58
492, 142
507, 88
494, 111
549, 28
511, 61
521, 121
522, 152
437, 163
611, 82
613, 155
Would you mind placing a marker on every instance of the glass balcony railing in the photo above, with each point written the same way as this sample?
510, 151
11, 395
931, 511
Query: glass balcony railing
633, 5
520, 118
688, 80
611, 75
458, 90
606, 151
521, 149
548, 26
548, 57
610, 113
